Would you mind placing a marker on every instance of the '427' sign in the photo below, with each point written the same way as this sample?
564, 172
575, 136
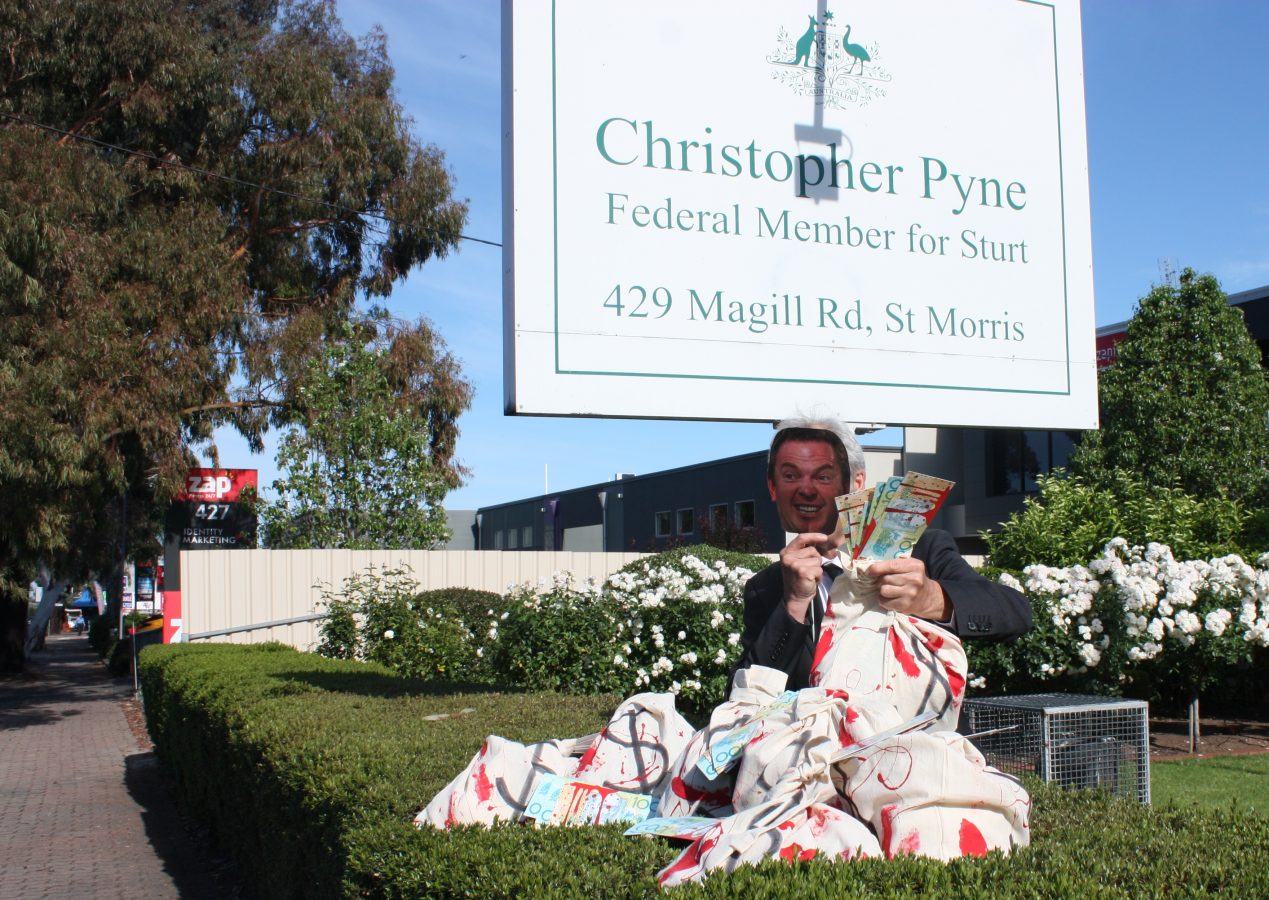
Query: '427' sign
214, 510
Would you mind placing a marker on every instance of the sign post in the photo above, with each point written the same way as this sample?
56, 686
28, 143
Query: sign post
213, 511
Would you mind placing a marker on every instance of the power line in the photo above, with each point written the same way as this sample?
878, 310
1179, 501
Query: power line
176, 163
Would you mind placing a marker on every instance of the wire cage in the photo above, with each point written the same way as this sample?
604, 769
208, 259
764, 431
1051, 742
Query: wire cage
1071, 739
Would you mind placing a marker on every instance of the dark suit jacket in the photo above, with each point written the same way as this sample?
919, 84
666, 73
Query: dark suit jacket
982, 609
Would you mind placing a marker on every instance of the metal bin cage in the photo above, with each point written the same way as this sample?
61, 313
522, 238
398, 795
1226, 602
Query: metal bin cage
1072, 739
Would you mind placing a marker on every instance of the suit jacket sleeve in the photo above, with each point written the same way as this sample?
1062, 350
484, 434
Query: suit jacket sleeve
982, 608
771, 637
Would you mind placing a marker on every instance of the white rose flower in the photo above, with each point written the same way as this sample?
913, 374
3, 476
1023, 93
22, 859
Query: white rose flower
389, 634
1217, 621
733, 639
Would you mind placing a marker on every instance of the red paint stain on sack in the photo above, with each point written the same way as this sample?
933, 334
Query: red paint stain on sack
484, 788
689, 859
904, 655
588, 758
972, 841
795, 853
685, 791
821, 649
887, 828
819, 823
911, 843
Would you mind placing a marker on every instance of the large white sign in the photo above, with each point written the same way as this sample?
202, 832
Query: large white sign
723, 211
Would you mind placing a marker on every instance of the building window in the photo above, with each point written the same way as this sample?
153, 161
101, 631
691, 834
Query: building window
526, 537
662, 523
513, 539
746, 514
718, 515
687, 521
1016, 458
498, 540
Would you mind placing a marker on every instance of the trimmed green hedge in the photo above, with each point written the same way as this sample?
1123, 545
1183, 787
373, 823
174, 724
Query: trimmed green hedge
309, 770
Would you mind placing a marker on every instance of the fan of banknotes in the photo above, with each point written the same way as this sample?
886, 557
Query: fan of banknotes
886, 521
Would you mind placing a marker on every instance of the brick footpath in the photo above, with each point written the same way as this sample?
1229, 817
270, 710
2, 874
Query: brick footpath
84, 811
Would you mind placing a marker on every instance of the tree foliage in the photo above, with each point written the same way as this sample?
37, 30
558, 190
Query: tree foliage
193, 198
1072, 519
1186, 401
370, 463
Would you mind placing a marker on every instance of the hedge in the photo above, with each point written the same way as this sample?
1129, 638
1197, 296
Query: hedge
309, 770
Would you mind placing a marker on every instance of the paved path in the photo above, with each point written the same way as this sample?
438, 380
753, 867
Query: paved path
84, 810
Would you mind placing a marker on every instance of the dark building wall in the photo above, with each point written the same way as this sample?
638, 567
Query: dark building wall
691, 495
1255, 307
736, 484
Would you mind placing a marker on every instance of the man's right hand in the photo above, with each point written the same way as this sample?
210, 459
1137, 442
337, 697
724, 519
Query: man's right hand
801, 564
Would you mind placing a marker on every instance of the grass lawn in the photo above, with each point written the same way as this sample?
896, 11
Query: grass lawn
1214, 783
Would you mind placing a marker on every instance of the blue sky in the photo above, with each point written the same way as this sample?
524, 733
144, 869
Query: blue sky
1177, 95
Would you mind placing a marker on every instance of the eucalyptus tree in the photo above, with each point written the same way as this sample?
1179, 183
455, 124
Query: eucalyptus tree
193, 198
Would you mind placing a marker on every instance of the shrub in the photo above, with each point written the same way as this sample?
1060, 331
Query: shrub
283, 754
555, 638
1133, 620
669, 622
1072, 519
381, 616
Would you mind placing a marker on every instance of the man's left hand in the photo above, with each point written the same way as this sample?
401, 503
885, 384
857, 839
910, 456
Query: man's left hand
905, 589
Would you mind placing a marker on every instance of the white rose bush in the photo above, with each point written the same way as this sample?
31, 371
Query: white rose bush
1136, 621
666, 623
381, 615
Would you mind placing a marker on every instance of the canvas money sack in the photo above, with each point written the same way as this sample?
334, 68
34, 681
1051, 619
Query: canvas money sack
633, 753
875, 653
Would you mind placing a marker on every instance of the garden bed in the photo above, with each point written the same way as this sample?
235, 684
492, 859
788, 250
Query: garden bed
1170, 737
280, 752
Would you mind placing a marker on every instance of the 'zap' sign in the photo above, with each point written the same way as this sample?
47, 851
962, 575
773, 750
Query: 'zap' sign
216, 485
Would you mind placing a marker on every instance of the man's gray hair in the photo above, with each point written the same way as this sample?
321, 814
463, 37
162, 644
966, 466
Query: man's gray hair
842, 433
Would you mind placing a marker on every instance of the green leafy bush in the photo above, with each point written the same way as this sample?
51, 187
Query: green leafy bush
1134, 620
381, 616
308, 771
1072, 519
669, 622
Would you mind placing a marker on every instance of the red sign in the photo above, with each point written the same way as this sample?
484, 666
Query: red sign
216, 485
1106, 348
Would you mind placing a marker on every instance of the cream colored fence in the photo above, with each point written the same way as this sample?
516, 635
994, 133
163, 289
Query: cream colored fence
223, 589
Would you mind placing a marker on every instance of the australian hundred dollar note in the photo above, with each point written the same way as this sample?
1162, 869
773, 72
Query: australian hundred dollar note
899, 520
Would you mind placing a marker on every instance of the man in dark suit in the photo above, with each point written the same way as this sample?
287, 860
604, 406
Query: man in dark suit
811, 462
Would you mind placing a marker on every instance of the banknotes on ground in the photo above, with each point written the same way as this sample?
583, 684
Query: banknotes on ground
728, 747
686, 828
563, 801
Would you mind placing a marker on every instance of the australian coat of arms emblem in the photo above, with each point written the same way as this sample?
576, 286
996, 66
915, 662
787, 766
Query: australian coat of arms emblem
829, 62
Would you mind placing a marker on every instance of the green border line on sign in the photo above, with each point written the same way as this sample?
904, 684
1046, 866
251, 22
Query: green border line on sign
1066, 301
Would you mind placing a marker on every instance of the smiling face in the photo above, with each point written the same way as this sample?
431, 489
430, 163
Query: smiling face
804, 480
